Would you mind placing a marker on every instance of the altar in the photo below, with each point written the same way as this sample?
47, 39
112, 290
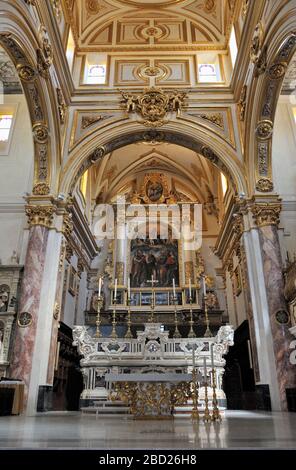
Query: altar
154, 366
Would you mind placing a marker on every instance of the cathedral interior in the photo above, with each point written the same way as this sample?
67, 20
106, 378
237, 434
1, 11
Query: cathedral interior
112, 111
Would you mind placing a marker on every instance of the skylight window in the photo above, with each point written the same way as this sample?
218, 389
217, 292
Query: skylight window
5, 126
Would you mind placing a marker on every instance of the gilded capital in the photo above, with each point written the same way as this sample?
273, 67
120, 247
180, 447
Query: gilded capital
40, 215
67, 225
266, 214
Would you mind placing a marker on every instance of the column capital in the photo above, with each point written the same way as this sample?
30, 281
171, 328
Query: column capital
42, 215
267, 213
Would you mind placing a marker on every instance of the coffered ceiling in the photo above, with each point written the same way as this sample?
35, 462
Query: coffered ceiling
153, 24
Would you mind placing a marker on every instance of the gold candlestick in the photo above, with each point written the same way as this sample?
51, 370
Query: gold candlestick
177, 332
128, 334
113, 333
216, 416
191, 333
207, 416
98, 320
194, 412
208, 332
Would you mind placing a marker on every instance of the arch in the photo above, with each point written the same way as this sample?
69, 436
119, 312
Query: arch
24, 48
264, 92
101, 142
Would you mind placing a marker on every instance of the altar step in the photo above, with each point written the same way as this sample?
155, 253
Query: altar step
106, 407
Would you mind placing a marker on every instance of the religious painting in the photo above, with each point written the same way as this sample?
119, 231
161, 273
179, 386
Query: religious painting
157, 258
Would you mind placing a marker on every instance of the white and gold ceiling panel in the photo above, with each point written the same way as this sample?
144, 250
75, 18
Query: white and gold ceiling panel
153, 23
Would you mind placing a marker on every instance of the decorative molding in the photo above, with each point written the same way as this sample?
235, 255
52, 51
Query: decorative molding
257, 43
40, 133
44, 54
41, 189
67, 228
264, 129
87, 121
214, 118
266, 214
61, 106
40, 215
277, 70
153, 105
264, 185
242, 102
26, 72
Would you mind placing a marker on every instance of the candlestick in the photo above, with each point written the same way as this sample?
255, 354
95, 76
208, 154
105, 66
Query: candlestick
128, 288
212, 356
208, 333
113, 332
100, 286
174, 287
177, 332
205, 368
191, 333
204, 286
193, 356
194, 412
98, 319
216, 416
115, 289
190, 288
128, 333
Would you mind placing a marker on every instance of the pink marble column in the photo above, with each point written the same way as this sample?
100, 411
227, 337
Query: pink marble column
274, 282
21, 361
56, 317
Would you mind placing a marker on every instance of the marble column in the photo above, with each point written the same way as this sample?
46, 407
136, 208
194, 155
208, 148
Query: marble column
24, 342
32, 352
266, 217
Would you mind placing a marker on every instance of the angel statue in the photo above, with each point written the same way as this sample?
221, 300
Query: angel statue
130, 101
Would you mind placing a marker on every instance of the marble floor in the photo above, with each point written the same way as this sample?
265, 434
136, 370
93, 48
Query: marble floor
239, 429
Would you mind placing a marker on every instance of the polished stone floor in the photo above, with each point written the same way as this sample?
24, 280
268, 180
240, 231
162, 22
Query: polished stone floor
239, 429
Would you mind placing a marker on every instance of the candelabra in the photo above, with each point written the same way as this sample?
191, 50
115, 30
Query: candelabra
151, 319
208, 332
113, 333
177, 332
216, 416
191, 333
207, 416
98, 320
128, 334
194, 412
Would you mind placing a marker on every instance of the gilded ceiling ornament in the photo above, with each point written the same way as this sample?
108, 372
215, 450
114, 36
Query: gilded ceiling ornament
30, 2
40, 132
40, 215
151, 71
98, 154
69, 252
277, 70
266, 214
153, 105
257, 42
44, 54
56, 311
264, 185
245, 7
263, 158
41, 189
214, 118
57, 9
26, 72
261, 63
209, 154
242, 102
87, 121
94, 7
61, 106
264, 129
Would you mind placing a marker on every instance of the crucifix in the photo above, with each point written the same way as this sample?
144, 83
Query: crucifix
152, 281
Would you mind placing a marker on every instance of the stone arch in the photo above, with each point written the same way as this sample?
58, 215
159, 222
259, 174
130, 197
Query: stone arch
101, 142
43, 101
264, 91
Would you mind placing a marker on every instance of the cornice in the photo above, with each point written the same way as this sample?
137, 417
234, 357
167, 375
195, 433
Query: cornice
82, 230
226, 233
